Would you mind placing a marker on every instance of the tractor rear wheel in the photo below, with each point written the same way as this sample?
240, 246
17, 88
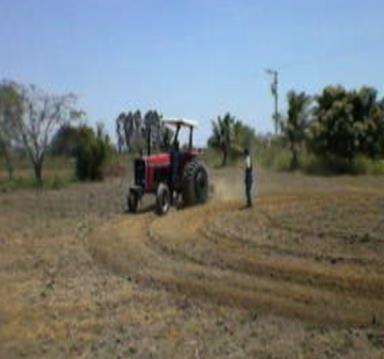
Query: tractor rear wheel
163, 199
195, 183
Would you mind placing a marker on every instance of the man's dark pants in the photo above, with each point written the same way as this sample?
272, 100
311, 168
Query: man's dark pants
248, 188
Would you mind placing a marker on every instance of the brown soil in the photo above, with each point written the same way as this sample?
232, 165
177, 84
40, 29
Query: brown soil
298, 276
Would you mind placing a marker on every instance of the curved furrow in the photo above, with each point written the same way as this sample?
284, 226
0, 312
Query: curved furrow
176, 252
224, 253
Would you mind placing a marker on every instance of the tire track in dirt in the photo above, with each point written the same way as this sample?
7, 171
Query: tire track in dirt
213, 234
176, 252
285, 270
229, 254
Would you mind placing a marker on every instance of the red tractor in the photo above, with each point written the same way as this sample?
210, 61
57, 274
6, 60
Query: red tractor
177, 172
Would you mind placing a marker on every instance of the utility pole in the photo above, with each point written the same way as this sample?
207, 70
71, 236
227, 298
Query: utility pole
275, 94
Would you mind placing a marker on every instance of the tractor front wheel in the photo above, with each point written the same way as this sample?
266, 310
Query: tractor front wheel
133, 202
163, 199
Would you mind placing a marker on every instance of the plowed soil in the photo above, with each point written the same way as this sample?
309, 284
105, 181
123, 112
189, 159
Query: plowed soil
300, 275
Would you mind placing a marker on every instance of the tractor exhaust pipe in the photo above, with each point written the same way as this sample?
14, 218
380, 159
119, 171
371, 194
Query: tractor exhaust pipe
190, 137
149, 141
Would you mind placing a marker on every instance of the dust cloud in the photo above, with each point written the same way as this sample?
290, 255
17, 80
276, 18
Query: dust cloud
227, 185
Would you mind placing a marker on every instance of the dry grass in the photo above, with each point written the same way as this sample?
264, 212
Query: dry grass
79, 278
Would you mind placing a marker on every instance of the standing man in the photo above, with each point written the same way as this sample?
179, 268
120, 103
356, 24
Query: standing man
248, 176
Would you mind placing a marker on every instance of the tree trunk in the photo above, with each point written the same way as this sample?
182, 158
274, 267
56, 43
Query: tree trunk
38, 171
294, 161
9, 165
225, 156
8, 160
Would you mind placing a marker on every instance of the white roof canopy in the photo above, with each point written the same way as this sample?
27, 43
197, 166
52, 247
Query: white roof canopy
180, 122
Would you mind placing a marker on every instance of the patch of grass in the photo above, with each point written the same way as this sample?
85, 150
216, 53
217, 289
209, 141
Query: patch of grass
274, 157
278, 158
361, 165
282, 161
364, 165
214, 158
16, 183
54, 182
51, 163
118, 165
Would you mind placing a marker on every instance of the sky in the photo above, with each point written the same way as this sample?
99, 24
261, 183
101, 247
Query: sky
190, 58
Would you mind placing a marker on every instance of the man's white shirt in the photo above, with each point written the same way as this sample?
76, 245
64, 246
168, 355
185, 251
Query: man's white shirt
248, 164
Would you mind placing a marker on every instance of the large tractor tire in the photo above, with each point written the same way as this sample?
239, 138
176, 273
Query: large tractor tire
163, 199
195, 183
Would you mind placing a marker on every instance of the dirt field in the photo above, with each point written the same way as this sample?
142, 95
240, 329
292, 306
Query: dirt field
301, 275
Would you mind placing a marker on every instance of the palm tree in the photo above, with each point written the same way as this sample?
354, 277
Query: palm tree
222, 136
294, 126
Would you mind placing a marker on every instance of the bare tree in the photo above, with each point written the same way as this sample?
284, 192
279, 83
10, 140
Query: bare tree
43, 114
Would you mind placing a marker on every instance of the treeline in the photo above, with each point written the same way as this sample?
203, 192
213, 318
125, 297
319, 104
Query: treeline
34, 121
338, 126
336, 131
134, 131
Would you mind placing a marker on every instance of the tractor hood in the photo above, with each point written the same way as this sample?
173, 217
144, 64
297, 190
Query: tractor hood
159, 159
163, 159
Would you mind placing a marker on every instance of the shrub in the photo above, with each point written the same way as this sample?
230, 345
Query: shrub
365, 165
91, 153
282, 161
64, 142
272, 154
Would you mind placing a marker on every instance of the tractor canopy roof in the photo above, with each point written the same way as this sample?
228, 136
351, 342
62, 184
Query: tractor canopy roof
182, 122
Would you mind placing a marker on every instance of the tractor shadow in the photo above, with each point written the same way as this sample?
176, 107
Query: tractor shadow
146, 208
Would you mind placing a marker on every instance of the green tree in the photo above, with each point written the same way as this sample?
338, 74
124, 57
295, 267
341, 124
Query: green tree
243, 137
369, 118
333, 132
294, 125
152, 126
373, 144
223, 135
348, 123
65, 140
166, 138
133, 129
230, 136
11, 111
120, 132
